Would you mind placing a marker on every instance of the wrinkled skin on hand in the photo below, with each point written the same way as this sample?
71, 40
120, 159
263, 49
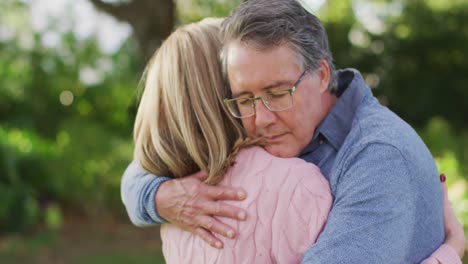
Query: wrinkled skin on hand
190, 204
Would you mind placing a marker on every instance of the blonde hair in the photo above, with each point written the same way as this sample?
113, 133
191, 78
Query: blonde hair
182, 126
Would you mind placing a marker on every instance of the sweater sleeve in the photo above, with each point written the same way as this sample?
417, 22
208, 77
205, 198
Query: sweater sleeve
445, 254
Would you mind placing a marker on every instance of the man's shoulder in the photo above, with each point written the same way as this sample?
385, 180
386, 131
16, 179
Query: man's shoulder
380, 132
376, 125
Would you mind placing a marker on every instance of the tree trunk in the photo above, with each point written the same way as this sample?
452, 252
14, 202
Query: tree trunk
152, 20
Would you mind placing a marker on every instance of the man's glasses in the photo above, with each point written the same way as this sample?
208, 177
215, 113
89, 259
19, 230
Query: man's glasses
275, 101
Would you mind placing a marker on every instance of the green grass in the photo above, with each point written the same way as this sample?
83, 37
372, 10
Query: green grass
84, 241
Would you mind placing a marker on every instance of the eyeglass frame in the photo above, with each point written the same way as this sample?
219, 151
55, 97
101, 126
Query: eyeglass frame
261, 97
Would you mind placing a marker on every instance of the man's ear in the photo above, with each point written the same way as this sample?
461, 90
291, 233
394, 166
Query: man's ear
324, 75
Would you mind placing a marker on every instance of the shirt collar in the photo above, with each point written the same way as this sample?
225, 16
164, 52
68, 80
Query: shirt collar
335, 127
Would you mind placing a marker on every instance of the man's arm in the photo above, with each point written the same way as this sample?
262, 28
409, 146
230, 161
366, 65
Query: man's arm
373, 219
138, 189
186, 202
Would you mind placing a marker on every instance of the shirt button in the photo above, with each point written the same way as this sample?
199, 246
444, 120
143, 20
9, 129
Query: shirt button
321, 141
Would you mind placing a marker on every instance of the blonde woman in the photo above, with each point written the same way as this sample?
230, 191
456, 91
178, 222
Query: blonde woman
182, 127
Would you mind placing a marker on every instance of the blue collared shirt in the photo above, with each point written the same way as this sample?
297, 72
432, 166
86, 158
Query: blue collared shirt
387, 198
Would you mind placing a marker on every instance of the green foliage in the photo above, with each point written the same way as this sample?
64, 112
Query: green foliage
65, 134
53, 217
442, 140
22, 165
428, 64
418, 60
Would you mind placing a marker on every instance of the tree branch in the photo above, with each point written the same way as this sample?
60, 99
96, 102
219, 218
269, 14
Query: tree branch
117, 11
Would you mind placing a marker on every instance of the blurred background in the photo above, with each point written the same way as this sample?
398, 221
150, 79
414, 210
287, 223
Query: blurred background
69, 82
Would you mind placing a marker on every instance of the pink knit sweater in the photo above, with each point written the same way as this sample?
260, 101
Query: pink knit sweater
287, 205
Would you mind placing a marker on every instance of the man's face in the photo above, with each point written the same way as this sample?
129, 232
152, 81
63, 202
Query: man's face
253, 72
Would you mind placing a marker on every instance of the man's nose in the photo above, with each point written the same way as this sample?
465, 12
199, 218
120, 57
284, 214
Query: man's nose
263, 116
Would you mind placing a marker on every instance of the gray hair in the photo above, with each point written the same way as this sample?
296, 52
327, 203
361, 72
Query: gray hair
266, 24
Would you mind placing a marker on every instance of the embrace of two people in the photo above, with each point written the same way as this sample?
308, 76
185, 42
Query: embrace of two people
250, 147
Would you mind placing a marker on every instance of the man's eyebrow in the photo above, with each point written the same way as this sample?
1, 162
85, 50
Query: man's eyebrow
268, 87
235, 95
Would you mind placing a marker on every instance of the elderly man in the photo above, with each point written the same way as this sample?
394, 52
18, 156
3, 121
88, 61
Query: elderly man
387, 197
